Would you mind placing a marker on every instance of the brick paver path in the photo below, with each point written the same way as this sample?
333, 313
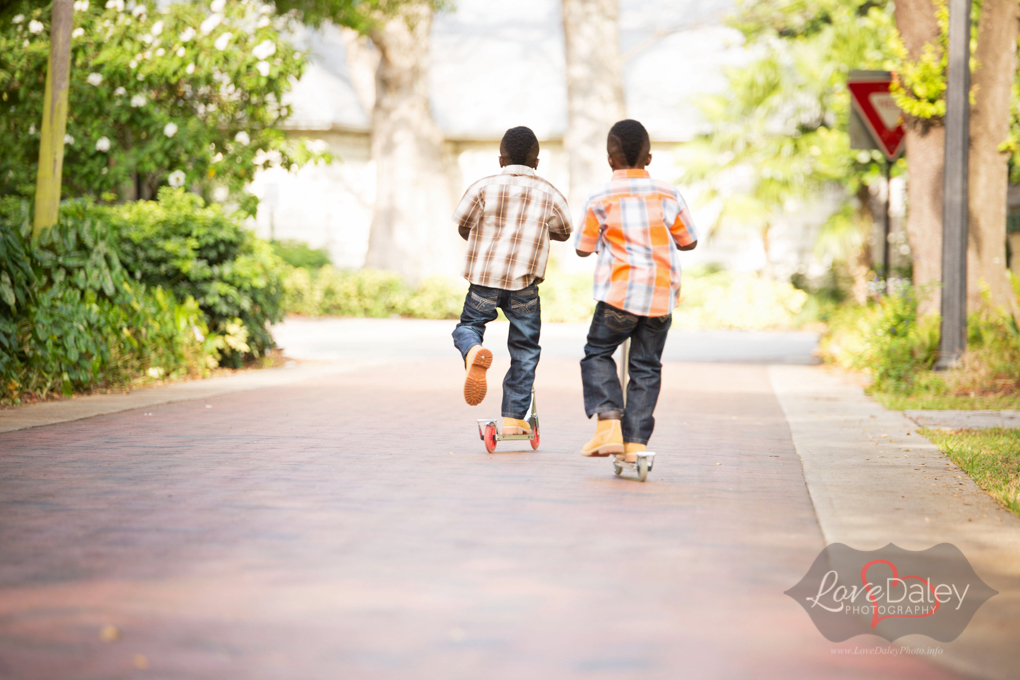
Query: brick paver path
353, 527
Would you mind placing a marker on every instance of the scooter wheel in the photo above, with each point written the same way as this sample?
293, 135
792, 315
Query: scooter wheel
490, 438
642, 469
535, 441
617, 468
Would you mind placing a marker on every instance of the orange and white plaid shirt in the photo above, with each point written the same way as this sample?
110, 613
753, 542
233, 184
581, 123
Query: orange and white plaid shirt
635, 223
507, 220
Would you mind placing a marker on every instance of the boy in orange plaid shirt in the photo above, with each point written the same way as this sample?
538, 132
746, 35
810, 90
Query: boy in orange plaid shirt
636, 224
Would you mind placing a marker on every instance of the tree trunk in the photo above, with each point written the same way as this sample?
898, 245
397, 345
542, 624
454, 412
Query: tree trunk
54, 121
916, 22
989, 173
594, 91
411, 230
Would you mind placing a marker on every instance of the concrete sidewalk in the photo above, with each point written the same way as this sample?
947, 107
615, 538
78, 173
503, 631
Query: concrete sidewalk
873, 481
964, 420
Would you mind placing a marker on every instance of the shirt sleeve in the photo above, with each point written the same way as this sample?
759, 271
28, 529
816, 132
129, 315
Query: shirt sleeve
468, 212
559, 219
590, 228
682, 227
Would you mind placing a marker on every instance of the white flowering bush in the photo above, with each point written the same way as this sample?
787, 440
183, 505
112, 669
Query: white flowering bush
189, 89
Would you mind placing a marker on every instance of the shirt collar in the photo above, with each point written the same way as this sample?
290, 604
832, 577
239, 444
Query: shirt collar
518, 170
630, 173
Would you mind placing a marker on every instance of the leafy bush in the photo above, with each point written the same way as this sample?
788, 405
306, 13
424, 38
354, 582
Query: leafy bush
70, 317
885, 339
739, 301
298, 254
159, 92
192, 250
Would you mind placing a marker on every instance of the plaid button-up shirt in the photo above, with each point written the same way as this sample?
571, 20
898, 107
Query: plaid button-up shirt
635, 223
507, 220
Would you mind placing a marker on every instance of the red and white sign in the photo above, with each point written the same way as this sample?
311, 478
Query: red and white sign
869, 93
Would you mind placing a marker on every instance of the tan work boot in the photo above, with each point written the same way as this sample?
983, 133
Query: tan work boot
514, 426
477, 362
608, 440
631, 451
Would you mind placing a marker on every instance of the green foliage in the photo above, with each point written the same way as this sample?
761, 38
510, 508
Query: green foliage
361, 15
299, 254
884, 339
201, 252
726, 299
779, 131
174, 95
70, 317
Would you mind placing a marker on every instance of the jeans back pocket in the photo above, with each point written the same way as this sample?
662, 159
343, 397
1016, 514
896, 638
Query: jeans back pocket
483, 303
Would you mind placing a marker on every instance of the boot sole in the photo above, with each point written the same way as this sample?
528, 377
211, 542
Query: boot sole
474, 383
604, 451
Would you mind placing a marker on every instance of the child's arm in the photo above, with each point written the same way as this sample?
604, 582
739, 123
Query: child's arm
588, 234
468, 212
684, 234
559, 219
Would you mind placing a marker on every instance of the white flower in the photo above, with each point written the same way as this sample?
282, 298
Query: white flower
242, 138
170, 129
133, 63
222, 41
297, 55
160, 52
155, 372
103, 144
180, 51
264, 49
95, 79
139, 10
263, 22
148, 54
81, 6
69, 140
190, 69
31, 129
220, 194
78, 32
140, 77
176, 178
217, 158
138, 101
120, 92
217, 5
18, 18
35, 26
115, 4
187, 34
265, 9
263, 67
157, 27
211, 22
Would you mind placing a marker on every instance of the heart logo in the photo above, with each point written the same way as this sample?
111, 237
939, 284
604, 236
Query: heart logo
875, 618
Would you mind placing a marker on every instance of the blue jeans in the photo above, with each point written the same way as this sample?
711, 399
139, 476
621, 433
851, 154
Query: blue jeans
601, 382
524, 311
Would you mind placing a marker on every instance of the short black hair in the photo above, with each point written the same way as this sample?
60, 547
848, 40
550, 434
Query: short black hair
629, 138
518, 143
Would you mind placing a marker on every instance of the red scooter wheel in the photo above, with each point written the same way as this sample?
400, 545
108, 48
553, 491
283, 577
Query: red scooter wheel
490, 438
534, 442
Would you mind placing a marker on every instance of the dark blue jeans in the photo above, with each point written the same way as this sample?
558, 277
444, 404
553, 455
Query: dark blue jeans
524, 311
601, 382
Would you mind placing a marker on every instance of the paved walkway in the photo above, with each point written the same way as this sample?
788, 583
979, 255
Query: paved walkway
351, 525
962, 420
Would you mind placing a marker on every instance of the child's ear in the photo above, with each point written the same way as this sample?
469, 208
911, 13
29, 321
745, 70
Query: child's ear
648, 160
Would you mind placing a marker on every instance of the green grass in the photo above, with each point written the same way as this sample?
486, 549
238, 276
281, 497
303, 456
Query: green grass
991, 457
947, 402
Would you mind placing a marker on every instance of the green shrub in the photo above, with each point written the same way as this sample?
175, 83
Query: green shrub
885, 339
192, 250
739, 301
298, 254
70, 317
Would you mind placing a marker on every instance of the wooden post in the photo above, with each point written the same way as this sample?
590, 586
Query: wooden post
954, 202
54, 121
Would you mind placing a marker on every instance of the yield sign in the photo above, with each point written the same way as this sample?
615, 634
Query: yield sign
869, 93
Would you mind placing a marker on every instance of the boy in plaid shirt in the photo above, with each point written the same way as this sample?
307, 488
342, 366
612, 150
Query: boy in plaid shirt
507, 220
636, 224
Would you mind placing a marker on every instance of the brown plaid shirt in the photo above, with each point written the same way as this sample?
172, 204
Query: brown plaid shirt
507, 220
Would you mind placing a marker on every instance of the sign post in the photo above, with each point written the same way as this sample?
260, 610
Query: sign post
953, 339
877, 123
